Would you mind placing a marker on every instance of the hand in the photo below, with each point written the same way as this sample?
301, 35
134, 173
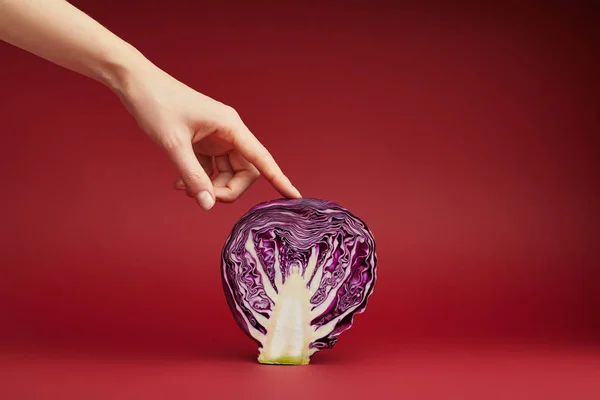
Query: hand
200, 134
194, 130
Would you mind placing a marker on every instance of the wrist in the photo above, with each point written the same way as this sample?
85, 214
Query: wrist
118, 69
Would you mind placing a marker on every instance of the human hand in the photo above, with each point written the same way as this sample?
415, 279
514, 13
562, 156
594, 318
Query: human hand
194, 130
199, 135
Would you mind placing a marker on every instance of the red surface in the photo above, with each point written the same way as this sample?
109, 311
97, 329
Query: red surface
466, 137
414, 373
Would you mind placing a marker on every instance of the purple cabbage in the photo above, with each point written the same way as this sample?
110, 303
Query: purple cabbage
295, 273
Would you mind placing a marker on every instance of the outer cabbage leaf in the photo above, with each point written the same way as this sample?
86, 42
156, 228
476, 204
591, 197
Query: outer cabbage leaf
295, 273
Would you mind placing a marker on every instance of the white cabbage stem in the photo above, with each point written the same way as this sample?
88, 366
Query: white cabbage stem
289, 332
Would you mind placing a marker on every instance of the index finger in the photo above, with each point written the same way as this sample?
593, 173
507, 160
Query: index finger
257, 154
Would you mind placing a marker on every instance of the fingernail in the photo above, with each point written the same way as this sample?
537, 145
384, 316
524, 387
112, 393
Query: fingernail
205, 200
295, 190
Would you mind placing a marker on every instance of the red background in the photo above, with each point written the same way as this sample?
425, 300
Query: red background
465, 136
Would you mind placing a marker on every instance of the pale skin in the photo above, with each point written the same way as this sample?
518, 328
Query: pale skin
196, 132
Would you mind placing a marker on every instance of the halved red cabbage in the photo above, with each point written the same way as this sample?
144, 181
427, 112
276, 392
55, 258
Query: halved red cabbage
295, 272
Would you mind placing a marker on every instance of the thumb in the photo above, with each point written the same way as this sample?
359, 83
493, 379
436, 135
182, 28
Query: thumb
192, 174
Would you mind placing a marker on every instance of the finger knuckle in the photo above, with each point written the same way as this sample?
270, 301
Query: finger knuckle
192, 176
277, 177
231, 113
173, 142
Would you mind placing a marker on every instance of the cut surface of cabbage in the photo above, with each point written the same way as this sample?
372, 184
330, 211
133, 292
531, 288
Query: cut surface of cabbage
295, 273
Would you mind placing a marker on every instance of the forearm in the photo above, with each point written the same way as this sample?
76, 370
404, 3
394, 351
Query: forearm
58, 32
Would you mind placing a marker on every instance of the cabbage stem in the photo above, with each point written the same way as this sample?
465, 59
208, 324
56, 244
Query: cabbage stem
289, 332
